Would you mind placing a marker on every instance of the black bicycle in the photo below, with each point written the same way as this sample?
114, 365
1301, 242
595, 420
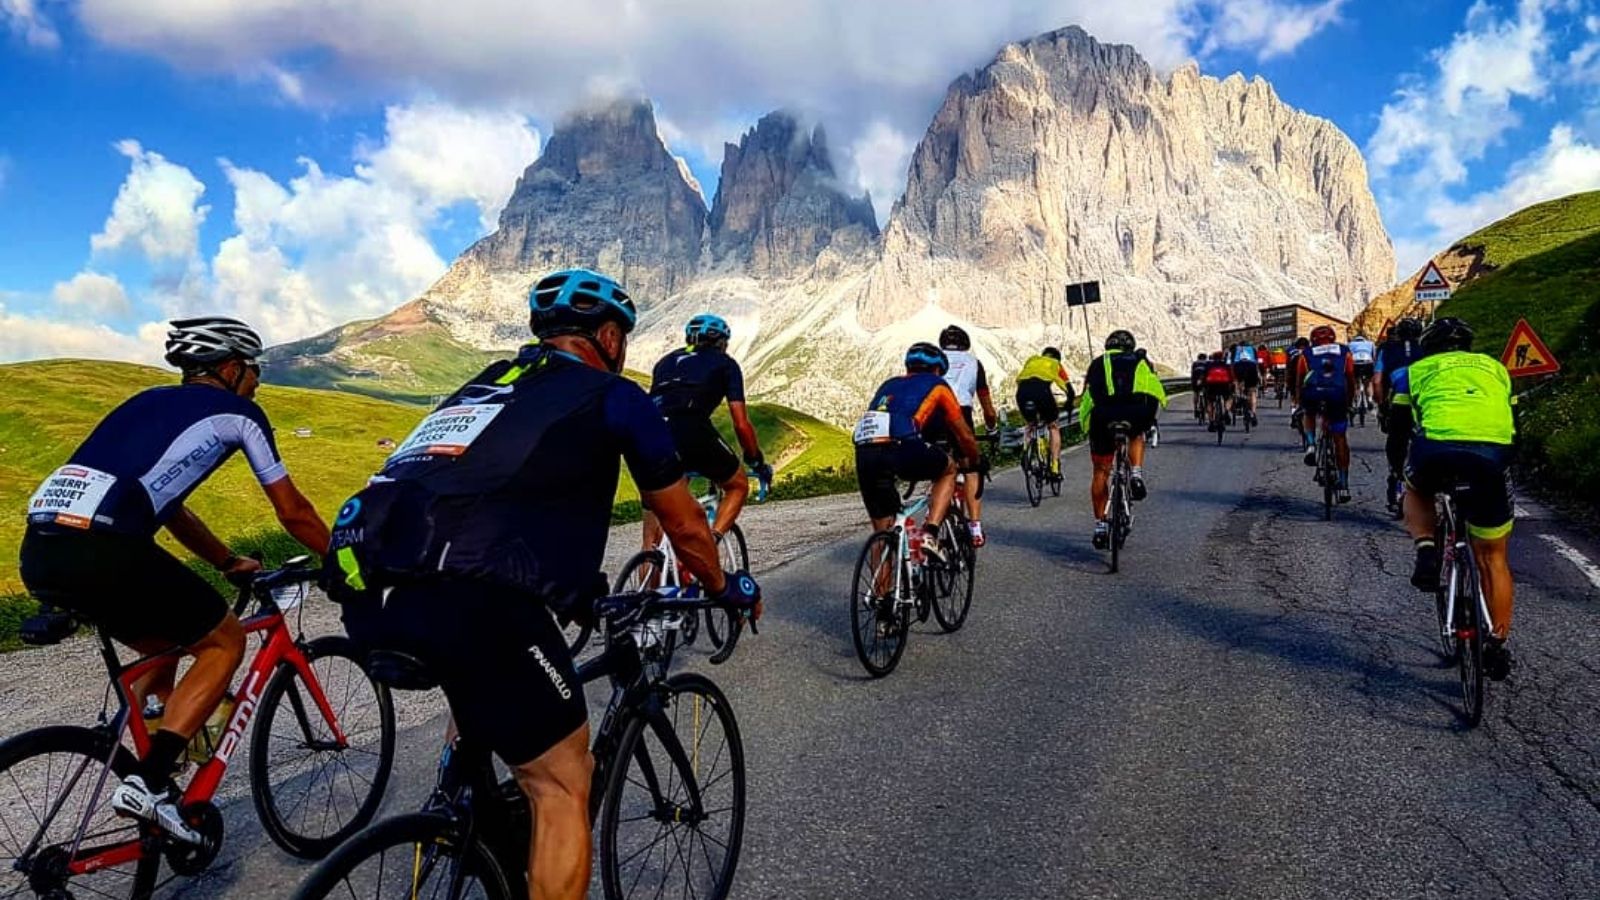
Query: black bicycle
1463, 611
1036, 474
1241, 411
1219, 415
1327, 467
668, 789
1119, 506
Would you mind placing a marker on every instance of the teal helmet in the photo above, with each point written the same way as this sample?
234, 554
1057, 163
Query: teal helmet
579, 301
925, 357
706, 329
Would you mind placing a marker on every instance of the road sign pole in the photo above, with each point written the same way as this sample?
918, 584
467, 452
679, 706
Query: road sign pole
1088, 335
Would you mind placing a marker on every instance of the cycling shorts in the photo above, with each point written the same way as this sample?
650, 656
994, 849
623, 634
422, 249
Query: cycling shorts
1398, 423
878, 465
1247, 373
496, 652
1337, 412
702, 449
125, 584
1219, 390
1139, 413
1037, 402
1434, 466
1365, 371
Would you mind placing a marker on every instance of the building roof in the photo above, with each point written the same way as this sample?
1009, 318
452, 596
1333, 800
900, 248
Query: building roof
1313, 309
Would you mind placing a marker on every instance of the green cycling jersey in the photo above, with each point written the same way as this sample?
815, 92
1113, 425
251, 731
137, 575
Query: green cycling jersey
1460, 396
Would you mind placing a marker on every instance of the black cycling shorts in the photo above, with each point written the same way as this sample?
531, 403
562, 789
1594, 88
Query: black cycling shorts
1248, 374
1037, 402
1434, 466
878, 465
1140, 414
126, 585
1337, 412
702, 449
1365, 371
496, 652
1398, 423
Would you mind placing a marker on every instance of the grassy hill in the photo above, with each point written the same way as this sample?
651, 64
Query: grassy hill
47, 408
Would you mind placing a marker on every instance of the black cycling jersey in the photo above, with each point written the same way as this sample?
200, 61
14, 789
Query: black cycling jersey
136, 468
695, 382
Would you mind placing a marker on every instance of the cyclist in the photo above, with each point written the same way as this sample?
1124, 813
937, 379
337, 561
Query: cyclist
1217, 382
1264, 363
1197, 375
687, 386
1037, 400
1278, 360
1247, 372
1394, 408
1325, 374
1120, 387
1365, 353
493, 514
969, 381
1464, 428
1154, 435
897, 438
92, 524
1297, 415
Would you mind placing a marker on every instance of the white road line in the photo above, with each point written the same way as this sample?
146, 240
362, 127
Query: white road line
1575, 556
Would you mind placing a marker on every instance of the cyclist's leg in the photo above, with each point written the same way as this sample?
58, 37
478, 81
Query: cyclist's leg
652, 531
1055, 447
1489, 517
1421, 482
704, 451
735, 490
1102, 453
875, 466
944, 488
557, 786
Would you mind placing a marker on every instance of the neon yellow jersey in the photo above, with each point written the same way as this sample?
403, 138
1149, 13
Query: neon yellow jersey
1462, 396
1043, 368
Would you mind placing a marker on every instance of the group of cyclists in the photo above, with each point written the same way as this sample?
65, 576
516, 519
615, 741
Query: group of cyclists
485, 529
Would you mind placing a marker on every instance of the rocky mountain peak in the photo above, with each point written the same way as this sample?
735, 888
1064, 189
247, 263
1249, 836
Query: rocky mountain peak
779, 203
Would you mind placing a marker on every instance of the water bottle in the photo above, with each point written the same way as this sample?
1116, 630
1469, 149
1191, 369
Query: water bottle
153, 711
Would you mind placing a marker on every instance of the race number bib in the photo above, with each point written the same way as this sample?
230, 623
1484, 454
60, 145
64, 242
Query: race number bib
70, 496
1327, 350
448, 432
873, 428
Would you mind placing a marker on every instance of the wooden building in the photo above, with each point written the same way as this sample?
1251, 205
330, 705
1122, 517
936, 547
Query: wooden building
1280, 325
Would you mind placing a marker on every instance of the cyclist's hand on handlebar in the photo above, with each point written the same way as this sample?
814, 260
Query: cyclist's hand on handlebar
740, 592
762, 471
240, 569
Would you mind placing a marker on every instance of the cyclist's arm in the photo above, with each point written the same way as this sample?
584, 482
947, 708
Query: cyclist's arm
1350, 386
745, 431
985, 400
297, 515
197, 537
944, 405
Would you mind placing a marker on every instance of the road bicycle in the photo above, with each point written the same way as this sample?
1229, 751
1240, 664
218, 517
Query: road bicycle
895, 579
1119, 505
1219, 416
320, 758
1463, 611
1198, 392
1036, 474
1280, 385
668, 791
1327, 471
1241, 411
661, 568
1363, 404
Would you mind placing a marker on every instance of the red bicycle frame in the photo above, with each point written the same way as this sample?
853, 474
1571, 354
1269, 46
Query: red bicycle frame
276, 647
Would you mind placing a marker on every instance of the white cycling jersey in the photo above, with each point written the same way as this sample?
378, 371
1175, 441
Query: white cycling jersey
1363, 351
963, 376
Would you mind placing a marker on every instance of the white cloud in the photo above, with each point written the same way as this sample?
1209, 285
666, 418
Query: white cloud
24, 19
93, 293
1565, 165
881, 156
1583, 64
156, 209
846, 63
24, 336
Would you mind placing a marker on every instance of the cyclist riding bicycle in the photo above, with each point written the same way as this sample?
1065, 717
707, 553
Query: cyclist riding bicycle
492, 515
1264, 361
1120, 387
1325, 375
1247, 372
1464, 430
1218, 384
1036, 397
1297, 416
968, 379
1394, 408
898, 436
687, 385
90, 539
1278, 361
1364, 353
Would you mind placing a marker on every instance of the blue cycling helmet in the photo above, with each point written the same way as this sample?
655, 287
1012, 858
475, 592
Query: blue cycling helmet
706, 329
925, 357
579, 301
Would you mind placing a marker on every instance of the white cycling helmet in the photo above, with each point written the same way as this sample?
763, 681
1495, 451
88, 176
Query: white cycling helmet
208, 340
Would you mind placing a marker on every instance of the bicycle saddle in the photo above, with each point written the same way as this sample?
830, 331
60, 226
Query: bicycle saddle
401, 671
1120, 426
51, 625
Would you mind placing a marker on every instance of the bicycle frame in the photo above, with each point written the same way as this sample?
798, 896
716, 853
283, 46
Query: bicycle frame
919, 506
1457, 551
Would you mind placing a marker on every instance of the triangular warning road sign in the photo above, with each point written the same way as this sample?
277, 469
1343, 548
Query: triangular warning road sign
1526, 354
1432, 279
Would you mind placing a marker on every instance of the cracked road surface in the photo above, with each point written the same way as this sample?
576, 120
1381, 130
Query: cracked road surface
1253, 708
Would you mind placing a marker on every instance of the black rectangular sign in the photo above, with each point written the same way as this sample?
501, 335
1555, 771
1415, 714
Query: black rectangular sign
1083, 293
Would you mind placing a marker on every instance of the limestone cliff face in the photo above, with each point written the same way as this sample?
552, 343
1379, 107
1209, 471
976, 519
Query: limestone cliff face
779, 203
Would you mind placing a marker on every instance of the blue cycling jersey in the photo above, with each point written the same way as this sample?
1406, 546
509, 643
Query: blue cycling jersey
136, 468
1244, 353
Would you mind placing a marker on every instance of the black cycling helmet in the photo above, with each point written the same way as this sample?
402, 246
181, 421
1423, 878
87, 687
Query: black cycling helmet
925, 357
1407, 329
1121, 339
1052, 352
954, 337
1445, 335
203, 342
578, 301
1200, 358
1302, 342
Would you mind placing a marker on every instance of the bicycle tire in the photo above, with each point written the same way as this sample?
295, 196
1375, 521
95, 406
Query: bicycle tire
878, 655
423, 840
676, 809
953, 600
735, 557
92, 747
1219, 421
1441, 600
332, 762
1469, 643
1031, 469
1116, 522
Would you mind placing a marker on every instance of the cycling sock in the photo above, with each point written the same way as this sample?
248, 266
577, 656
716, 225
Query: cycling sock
158, 765
1422, 544
1344, 477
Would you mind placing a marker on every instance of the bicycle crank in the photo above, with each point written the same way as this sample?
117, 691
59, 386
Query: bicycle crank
192, 859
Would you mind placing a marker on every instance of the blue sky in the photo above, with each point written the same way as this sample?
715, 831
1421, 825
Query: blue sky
302, 166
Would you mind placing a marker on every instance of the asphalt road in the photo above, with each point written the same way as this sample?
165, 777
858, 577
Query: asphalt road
1253, 707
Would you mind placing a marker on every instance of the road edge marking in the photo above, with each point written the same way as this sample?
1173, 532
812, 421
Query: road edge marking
1575, 556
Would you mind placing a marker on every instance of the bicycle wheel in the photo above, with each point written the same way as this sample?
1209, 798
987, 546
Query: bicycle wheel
310, 792
1469, 636
1117, 523
1032, 470
954, 596
57, 773
879, 624
1330, 478
1219, 422
735, 557
420, 855
672, 820
1441, 600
